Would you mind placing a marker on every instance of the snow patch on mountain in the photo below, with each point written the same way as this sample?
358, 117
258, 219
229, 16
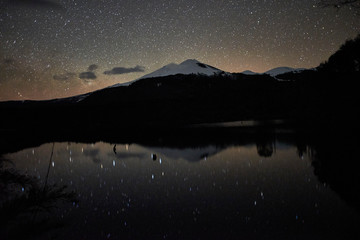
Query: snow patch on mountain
280, 70
248, 72
275, 71
190, 66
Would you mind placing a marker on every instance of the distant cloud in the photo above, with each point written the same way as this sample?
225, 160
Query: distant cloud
87, 75
49, 4
122, 70
64, 77
93, 67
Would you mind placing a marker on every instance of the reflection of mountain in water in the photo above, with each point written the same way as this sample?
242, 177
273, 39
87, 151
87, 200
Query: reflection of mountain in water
189, 154
334, 157
175, 138
133, 168
266, 147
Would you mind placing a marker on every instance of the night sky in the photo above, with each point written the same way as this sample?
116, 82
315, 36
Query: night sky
59, 48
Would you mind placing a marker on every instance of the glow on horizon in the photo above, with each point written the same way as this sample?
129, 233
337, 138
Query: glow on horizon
45, 49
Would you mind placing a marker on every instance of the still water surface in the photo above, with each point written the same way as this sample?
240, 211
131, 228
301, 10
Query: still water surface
132, 191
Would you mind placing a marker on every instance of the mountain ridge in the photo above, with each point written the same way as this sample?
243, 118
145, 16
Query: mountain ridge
189, 66
193, 66
275, 71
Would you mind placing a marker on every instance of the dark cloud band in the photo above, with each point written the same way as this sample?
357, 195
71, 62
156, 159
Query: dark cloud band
87, 75
122, 70
93, 67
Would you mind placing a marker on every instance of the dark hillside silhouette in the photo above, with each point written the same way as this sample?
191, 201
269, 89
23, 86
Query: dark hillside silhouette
334, 84
345, 60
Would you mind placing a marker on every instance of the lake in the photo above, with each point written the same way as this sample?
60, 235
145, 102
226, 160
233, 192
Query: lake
271, 186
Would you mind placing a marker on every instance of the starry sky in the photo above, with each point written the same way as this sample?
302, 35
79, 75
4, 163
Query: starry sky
59, 48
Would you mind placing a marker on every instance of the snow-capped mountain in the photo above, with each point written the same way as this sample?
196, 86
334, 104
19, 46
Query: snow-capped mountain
190, 66
248, 72
275, 71
280, 70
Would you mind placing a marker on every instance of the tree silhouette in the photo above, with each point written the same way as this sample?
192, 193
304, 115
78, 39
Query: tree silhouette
346, 59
